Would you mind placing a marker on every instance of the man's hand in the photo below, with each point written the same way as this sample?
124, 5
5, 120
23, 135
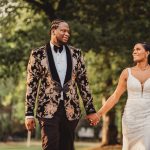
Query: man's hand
93, 118
30, 123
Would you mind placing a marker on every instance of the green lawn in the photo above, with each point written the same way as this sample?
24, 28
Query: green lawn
18, 147
37, 146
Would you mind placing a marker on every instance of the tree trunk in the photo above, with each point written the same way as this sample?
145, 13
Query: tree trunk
109, 129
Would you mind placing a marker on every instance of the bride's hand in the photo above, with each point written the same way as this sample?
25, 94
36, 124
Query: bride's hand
93, 118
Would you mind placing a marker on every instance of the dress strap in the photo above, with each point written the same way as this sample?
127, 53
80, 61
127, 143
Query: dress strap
129, 71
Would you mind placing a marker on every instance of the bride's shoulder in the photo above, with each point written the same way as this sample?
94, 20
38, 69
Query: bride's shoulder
125, 73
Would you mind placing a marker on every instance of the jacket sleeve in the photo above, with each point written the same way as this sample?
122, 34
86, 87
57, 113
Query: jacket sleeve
83, 86
33, 76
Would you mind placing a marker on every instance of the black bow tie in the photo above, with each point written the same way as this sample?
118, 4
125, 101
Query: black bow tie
56, 48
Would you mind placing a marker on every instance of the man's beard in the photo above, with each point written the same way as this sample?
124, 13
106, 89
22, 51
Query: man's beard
61, 42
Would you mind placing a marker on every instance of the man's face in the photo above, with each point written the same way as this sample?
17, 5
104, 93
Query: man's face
62, 33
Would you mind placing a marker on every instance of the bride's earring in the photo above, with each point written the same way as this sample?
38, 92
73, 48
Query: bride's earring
147, 55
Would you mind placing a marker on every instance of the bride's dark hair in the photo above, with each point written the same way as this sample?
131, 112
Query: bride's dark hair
147, 48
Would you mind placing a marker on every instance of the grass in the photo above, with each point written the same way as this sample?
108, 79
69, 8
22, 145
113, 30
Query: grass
114, 147
18, 146
37, 146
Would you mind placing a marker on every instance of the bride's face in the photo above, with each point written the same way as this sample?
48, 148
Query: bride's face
139, 53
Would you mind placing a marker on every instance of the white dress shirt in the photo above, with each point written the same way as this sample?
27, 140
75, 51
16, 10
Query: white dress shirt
60, 60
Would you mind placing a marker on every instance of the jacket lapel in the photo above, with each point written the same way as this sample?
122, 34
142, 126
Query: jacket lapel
52, 66
69, 65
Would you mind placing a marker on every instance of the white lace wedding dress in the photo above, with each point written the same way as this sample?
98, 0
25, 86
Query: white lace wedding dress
136, 116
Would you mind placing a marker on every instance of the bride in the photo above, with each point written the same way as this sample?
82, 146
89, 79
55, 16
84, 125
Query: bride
136, 116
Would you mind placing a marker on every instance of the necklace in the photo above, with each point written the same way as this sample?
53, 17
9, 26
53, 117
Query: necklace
143, 69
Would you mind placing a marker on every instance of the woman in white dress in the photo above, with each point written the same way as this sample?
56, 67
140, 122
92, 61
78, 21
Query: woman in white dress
136, 116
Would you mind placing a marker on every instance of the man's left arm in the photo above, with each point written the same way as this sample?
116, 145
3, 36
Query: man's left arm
83, 86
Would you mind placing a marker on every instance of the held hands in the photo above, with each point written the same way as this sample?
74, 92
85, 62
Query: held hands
93, 118
30, 124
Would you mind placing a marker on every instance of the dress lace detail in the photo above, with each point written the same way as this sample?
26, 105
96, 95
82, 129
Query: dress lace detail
136, 116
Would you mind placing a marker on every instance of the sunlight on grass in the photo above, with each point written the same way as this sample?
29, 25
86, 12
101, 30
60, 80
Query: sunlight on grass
37, 146
18, 146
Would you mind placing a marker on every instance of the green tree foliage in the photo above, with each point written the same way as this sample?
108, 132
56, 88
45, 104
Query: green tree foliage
105, 30
20, 32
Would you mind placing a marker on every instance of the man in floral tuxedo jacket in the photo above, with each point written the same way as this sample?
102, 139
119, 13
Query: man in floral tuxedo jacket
54, 72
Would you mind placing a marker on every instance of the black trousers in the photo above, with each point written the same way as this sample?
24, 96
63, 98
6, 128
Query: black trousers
57, 133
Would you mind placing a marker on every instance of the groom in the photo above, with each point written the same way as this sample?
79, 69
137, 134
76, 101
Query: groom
54, 70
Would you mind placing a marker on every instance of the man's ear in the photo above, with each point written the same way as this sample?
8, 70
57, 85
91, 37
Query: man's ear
53, 32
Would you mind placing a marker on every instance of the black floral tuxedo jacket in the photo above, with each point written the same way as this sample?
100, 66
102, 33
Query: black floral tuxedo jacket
43, 84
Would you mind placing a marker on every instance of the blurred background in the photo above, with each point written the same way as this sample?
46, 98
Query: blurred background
106, 31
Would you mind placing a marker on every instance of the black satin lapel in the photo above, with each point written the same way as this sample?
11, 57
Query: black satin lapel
52, 66
69, 65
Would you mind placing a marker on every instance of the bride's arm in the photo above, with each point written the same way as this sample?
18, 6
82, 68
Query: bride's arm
114, 98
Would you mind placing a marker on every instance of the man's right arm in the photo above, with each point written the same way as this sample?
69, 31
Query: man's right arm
33, 75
